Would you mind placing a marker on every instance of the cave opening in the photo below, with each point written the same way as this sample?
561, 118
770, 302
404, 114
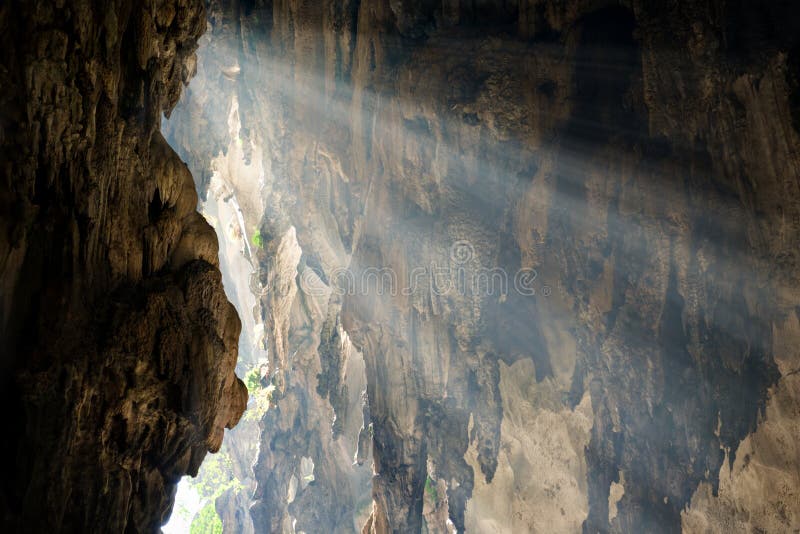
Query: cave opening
395, 266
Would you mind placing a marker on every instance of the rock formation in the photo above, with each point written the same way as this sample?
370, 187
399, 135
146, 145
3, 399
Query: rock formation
524, 265
119, 345
630, 167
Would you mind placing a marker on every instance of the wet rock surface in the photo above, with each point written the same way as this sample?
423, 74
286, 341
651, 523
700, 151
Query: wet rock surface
119, 345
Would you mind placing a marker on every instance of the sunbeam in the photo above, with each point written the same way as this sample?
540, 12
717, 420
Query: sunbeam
467, 205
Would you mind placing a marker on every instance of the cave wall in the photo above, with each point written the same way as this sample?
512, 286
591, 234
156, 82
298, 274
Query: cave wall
119, 344
632, 166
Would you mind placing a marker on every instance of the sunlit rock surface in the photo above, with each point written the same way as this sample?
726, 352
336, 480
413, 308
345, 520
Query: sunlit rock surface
631, 170
119, 345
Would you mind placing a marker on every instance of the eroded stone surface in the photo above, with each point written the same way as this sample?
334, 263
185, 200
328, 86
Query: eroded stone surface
119, 345
641, 159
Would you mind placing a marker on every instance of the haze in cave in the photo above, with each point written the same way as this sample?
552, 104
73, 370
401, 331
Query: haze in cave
395, 266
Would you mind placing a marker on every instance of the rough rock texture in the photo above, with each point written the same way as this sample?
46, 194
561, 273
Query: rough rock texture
119, 345
632, 167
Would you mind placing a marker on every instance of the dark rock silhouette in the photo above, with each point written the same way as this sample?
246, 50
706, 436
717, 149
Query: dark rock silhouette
118, 342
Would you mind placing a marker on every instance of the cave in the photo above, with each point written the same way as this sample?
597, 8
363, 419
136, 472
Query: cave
486, 266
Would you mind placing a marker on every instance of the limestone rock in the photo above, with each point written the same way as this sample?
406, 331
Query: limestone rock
630, 168
118, 342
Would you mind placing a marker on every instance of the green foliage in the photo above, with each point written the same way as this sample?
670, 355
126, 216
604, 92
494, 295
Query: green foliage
253, 381
430, 489
262, 398
258, 239
206, 521
216, 476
